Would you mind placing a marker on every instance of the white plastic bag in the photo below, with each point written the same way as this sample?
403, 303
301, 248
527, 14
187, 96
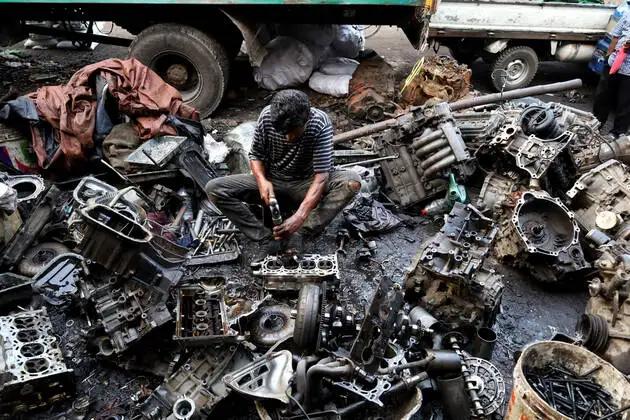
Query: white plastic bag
217, 151
288, 63
334, 85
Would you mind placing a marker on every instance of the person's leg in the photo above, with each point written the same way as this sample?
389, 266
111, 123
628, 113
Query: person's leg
603, 98
342, 187
228, 193
622, 111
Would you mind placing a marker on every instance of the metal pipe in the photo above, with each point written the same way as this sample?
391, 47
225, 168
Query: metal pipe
420, 315
314, 376
454, 396
433, 135
368, 161
598, 237
483, 343
516, 94
444, 362
447, 161
436, 145
435, 157
463, 104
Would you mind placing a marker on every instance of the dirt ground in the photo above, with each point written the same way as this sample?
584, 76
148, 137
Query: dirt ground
529, 311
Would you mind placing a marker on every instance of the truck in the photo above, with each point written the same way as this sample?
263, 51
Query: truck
513, 37
191, 44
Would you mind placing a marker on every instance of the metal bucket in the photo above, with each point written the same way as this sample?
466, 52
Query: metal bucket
525, 403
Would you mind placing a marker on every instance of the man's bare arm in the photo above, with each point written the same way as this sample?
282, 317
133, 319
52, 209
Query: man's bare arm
612, 46
311, 200
264, 185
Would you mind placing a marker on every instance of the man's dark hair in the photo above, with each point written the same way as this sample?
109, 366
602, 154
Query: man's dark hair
289, 110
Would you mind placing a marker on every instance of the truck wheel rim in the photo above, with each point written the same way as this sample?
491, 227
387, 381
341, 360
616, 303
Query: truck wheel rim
516, 70
180, 72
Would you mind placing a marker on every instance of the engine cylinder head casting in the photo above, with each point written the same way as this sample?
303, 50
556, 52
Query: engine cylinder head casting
201, 316
34, 372
281, 273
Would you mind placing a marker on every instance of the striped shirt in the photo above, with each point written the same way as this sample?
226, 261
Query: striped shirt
299, 159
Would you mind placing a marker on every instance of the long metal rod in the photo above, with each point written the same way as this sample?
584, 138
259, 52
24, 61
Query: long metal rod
367, 162
463, 104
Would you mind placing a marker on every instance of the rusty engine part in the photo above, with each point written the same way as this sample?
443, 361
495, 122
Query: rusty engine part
498, 194
542, 236
39, 217
458, 106
201, 316
371, 91
197, 386
451, 277
37, 257
439, 77
378, 326
125, 310
600, 150
33, 372
290, 273
271, 325
428, 145
530, 137
600, 199
605, 326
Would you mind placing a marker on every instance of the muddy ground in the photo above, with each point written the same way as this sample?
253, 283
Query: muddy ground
529, 311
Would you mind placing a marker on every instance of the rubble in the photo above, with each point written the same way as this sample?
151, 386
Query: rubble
146, 274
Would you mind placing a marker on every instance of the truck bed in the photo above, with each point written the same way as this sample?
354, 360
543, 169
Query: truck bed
524, 19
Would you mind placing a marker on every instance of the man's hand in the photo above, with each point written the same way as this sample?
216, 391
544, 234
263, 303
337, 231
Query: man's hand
265, 188
288, 227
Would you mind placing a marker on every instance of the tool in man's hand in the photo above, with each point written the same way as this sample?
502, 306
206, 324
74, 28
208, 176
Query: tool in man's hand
274, 208
342, 236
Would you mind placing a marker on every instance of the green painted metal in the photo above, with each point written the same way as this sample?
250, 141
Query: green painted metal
224, 2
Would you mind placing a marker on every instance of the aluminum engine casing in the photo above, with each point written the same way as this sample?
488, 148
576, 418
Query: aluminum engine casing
451, 277
610, 293
542, 236
33, 373
428, 145
600, 198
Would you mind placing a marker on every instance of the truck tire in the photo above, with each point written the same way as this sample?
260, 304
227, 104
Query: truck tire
516, 67
307, 322
188, 59
464, 56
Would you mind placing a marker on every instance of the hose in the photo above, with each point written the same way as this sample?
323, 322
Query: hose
314, 376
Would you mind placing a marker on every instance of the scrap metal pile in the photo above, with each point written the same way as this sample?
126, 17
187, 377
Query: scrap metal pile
151, 267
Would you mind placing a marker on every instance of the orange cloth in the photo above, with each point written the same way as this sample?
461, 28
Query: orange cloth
140, 92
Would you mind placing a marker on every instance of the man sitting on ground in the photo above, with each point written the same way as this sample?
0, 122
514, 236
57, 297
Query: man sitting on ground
292, 156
